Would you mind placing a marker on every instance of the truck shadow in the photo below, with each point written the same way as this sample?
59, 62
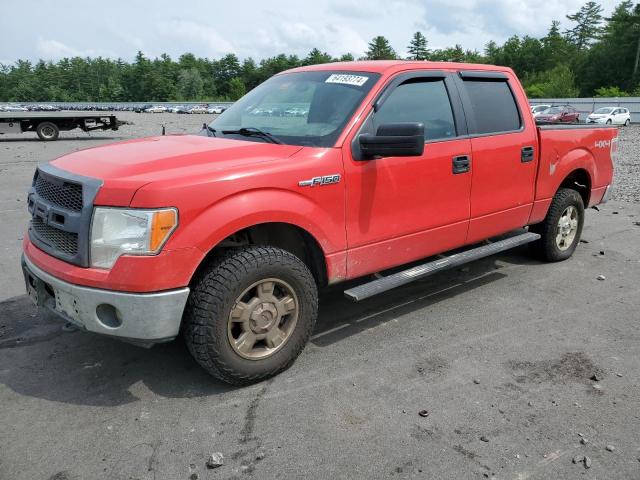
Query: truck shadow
41, 360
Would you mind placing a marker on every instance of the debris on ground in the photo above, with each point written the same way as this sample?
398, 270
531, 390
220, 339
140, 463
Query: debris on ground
584, 441
587, 462
601, 252
578, 459
476, 381
215, 460
596, 377
610, 448
423, 413
484, 439
601, 277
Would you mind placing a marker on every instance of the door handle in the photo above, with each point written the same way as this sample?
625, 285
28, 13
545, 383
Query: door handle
527, 154
461, 164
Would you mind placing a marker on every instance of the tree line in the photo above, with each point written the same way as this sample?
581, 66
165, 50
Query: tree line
595, 56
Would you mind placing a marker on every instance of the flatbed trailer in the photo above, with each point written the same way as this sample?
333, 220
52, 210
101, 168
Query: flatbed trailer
49, 124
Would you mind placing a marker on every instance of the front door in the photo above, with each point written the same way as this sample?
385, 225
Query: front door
400, 209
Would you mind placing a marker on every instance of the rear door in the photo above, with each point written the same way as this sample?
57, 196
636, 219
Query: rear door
401, 209
504, 150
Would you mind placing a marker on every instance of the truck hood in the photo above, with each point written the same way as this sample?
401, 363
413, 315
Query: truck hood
126, 166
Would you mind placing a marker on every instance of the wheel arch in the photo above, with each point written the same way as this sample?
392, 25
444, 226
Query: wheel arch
287, 236
578, 179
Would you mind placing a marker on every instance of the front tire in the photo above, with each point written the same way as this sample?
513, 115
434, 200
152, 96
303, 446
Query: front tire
627, 123
561, 228
250, 314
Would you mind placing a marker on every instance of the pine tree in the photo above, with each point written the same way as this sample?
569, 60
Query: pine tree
380, 49
588, 20
418, 47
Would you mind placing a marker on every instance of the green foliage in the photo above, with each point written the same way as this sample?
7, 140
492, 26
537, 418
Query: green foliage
236, 88
418, 47
610, 92
594, 56
190, 84
587, 28
559, 82
380, 49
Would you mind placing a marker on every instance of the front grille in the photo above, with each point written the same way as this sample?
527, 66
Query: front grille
65, 242
66, 195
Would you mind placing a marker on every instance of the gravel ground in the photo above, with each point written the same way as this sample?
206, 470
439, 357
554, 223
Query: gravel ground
627, 179
521, 368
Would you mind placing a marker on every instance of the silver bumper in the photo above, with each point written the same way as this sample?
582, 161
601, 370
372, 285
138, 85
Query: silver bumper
139, 317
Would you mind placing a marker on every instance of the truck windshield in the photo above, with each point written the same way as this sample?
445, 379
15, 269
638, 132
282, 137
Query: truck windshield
300, 108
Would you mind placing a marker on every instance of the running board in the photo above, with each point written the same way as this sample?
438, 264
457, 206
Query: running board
421, 271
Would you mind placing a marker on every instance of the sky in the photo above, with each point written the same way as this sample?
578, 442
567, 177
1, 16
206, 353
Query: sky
53, 29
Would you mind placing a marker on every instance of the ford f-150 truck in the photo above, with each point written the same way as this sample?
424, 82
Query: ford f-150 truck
321, 174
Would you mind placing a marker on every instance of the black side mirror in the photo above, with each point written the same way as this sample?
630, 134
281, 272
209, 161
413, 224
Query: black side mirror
393, 140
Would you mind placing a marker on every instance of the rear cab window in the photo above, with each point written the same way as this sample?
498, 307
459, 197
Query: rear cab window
493, 105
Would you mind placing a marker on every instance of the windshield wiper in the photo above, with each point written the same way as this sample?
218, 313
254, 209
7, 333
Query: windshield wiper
208, 129
253, 132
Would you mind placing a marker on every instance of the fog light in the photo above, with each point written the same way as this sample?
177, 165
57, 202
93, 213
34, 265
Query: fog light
108, 315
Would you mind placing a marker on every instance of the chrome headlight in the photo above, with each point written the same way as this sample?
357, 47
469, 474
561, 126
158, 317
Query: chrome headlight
128, 231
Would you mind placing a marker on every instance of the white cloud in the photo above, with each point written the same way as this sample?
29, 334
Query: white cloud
199, 35
55, 49
260, 29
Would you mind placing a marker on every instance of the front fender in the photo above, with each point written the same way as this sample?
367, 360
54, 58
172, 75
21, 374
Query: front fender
253, 207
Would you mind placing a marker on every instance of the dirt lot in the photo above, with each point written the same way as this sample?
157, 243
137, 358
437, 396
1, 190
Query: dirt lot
515, 361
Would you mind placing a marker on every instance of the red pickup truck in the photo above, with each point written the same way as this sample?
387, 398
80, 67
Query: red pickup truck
321, 174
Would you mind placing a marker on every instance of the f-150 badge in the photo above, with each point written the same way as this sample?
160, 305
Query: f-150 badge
324, 180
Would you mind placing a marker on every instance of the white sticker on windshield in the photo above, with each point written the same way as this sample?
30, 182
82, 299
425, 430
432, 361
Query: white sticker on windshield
357, 80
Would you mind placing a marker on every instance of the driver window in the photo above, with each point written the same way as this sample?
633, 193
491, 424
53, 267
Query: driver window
421, 101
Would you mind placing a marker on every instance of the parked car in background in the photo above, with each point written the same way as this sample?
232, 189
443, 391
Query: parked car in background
538, 109
559, 114
176, 109
199, 109
610, 116
142, 108
156, 109
218, 109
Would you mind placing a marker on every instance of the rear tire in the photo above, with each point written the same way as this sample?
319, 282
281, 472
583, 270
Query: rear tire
250, 313
627, 123
48, 131
561, 228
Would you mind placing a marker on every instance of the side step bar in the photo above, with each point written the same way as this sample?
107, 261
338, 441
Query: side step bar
421, 271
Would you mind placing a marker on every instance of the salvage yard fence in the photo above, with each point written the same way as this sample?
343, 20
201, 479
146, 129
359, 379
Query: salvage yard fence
587, 105
584, 105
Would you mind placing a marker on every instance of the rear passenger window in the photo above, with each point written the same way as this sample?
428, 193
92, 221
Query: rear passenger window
421, 101
494, 107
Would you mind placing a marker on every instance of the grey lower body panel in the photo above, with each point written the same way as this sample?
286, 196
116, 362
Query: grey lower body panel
607, 194
139, 317
407, 276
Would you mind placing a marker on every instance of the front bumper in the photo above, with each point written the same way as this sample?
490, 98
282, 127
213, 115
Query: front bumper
139, 317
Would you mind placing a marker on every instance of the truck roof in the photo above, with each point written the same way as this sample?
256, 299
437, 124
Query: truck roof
392, 66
